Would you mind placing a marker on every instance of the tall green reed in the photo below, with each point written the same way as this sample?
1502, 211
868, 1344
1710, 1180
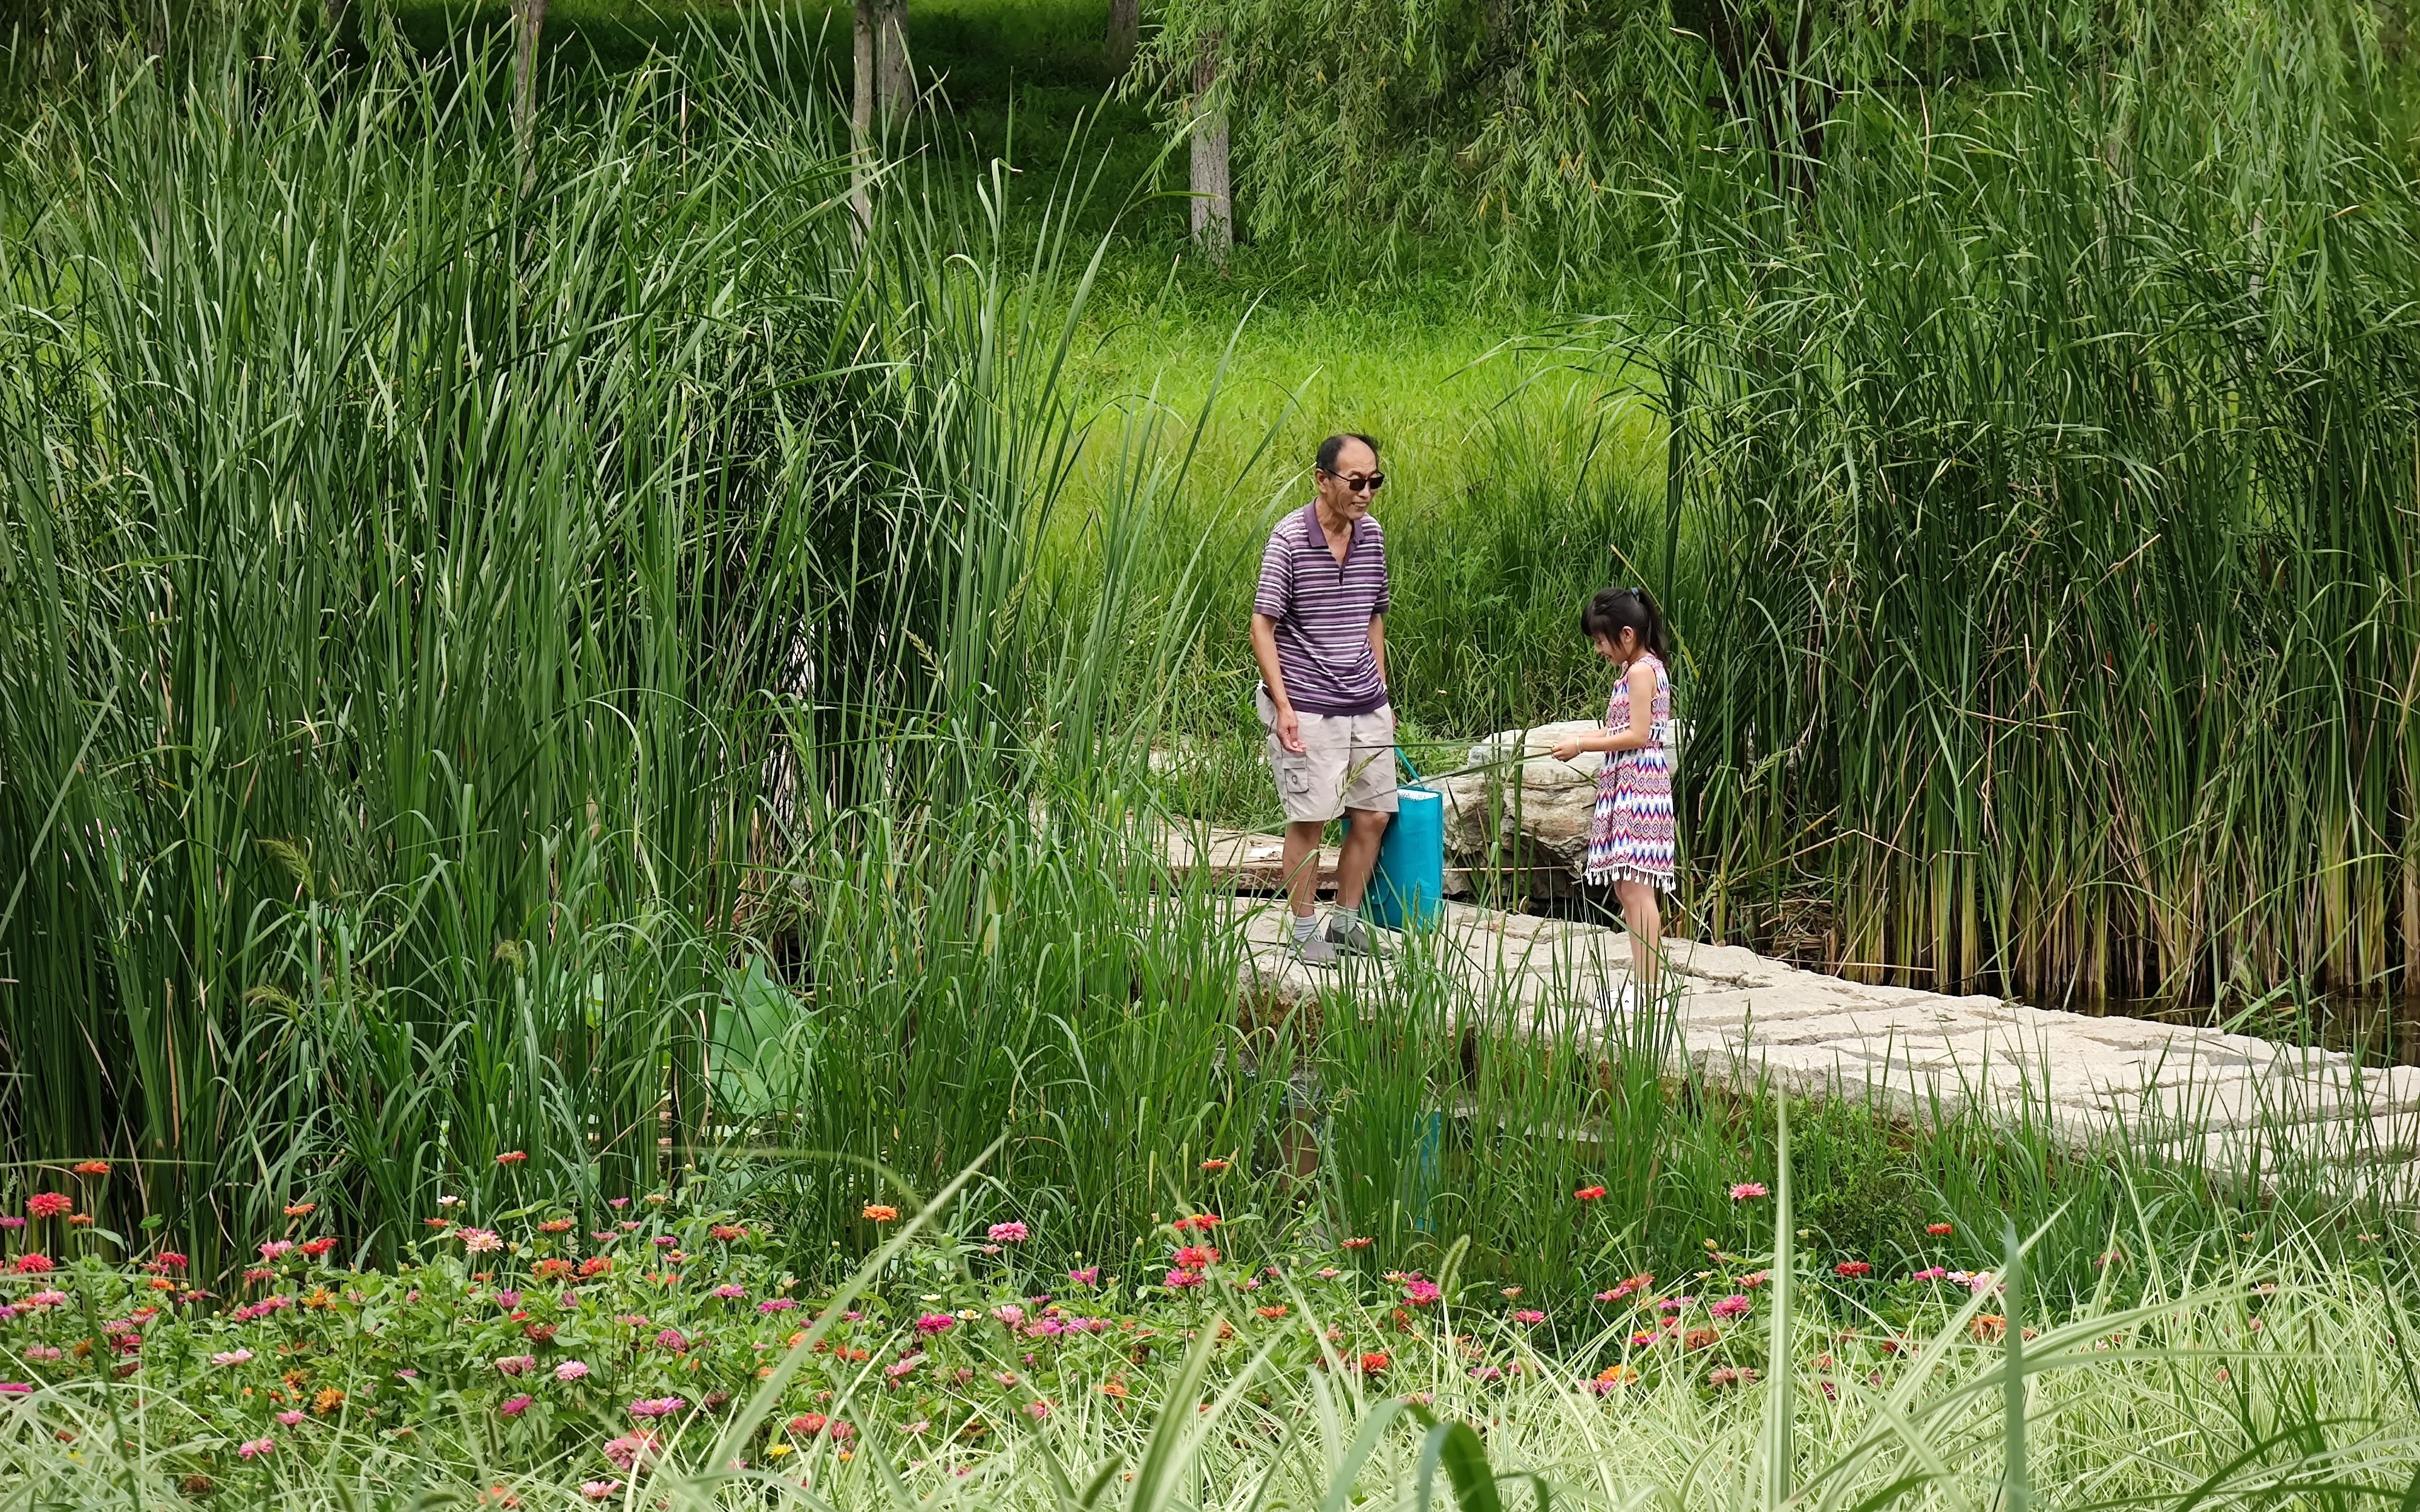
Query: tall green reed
2044, 483
433, 605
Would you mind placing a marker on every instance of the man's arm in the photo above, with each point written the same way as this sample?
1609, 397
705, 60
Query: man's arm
1378, 645
1265, 651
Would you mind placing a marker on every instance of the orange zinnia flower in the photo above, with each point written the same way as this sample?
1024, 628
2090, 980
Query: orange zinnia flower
882, 1213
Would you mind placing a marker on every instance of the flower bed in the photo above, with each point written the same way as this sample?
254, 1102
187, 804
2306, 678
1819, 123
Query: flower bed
667, 1327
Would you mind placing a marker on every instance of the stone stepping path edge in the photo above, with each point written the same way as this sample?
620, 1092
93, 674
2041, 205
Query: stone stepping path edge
2237, 1106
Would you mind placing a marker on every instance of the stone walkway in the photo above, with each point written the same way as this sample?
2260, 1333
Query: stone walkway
2235, 1105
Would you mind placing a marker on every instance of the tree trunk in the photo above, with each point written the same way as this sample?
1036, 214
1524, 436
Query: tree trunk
529, 18
1774, 83
860, 120
1125, 35
1214, 207
898, 78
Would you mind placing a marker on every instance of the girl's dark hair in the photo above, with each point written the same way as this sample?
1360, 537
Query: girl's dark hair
1616, 610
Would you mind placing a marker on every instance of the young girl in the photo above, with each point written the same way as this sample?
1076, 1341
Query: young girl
1630, 843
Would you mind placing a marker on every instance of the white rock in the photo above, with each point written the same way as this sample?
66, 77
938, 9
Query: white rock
1538, 810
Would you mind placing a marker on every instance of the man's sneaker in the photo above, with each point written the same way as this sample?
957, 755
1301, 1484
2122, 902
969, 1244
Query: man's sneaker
1349, 935
1315, 951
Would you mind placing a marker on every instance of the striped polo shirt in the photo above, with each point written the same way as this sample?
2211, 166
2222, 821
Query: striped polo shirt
1323, 609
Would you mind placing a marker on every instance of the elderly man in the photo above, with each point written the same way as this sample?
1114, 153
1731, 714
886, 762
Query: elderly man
1319, 632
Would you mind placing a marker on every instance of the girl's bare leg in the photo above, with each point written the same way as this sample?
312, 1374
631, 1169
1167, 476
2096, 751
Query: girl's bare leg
1643, 913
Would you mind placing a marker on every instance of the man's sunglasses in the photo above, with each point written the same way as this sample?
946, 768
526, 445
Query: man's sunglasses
1371, 483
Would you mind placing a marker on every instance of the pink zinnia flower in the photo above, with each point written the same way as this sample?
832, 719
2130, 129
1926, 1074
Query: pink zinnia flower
1009, 1313
275, 1248
671, 1339
1744, 1191
776, 1304
657, 1407
31, 1264
1181, 1278
598, 1490
508, 1300
47, 1299
514, 1406
1421, 1293
514, 1364
631, 1451
1731, 1306
936, 1323
49, 1204
255, 1448
1528, 1315
231, 1357
729, 1293
1038, 1410
289, 1417
479, 1241
571, 1370
1930, 1273
1008, 1233
1086, 1277
12, 1221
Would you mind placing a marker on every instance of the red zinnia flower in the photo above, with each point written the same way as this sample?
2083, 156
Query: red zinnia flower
512, 1157
1589, 1194
92, 1168
49, 1204
1852, 1268
1939, 1228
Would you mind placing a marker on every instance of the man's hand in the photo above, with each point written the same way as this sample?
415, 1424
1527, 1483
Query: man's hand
1566, 748
1289, 729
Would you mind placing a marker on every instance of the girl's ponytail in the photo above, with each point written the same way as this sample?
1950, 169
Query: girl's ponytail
1616, 610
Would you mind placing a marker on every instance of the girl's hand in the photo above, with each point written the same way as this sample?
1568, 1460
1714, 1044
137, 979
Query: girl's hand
1566, 748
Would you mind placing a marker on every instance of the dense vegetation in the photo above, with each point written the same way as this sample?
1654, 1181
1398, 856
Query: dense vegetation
543, 678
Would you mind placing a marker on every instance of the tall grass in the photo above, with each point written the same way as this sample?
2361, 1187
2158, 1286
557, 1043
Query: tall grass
2046, 486
589, 670
430, 606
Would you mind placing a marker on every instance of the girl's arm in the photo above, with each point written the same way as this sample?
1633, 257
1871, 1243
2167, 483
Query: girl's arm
1641, 730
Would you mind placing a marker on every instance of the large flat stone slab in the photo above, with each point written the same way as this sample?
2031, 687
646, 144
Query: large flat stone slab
2231, 1105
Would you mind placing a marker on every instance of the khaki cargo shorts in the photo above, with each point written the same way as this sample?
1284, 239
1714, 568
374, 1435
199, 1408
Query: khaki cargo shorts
1347, 761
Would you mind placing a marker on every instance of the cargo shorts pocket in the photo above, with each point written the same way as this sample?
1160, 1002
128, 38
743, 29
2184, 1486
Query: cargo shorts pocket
1294, 773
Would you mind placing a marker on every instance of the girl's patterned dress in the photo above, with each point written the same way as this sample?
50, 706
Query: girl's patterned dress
1631, 839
